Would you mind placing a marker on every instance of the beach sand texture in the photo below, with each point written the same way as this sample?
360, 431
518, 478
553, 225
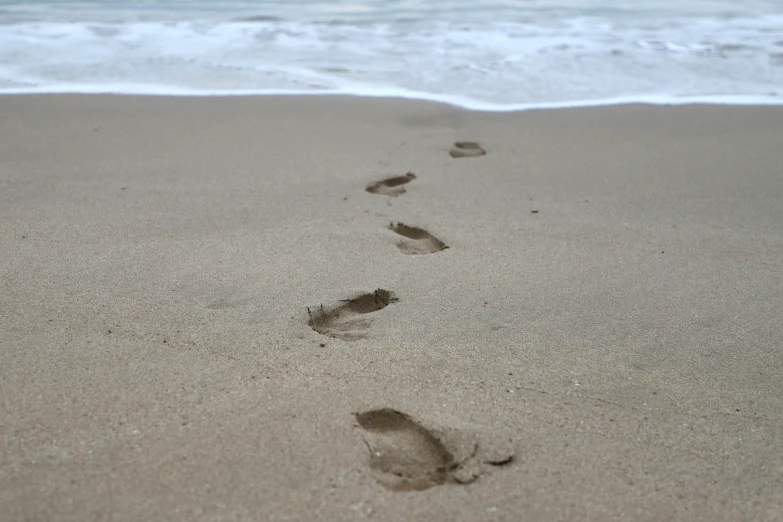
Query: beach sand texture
207, 314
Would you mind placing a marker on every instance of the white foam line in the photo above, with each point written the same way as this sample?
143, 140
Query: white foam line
455, 100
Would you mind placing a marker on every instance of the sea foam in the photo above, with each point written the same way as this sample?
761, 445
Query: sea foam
500, 65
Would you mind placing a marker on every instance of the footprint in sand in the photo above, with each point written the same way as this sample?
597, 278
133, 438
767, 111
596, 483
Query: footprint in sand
467, 149
346, 321
405, 456
416, 240
391, 186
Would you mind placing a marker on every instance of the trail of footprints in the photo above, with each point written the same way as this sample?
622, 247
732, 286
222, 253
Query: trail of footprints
404, 455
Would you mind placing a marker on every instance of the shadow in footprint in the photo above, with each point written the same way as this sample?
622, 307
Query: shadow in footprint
391, 186
405, 456
417, 240
467, 149
345, 321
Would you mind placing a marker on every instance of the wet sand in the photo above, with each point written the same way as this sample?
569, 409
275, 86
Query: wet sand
220, 308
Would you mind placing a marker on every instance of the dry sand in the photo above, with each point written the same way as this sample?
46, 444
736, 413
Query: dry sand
608, 308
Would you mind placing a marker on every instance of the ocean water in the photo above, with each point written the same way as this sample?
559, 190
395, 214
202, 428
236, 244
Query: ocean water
481, 54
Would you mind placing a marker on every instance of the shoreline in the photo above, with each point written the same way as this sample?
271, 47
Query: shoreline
455, 101
206, 313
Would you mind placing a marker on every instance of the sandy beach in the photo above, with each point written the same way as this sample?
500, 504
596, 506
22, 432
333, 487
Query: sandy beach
205, 314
